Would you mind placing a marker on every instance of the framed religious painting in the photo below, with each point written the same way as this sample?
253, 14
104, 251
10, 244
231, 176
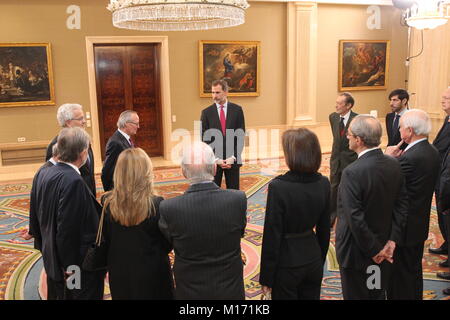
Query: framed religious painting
26, 77
363, 64
237, 62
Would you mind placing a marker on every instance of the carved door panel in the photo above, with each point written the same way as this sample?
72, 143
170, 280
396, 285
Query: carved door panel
128, 77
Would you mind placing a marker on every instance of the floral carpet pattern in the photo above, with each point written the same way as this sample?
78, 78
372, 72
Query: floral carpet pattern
21, 270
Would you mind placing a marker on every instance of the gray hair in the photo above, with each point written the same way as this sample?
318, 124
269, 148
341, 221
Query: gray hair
198, 162
222, 83
417, 120
55, 150
124, 118
65, 112
368, 129
71, 142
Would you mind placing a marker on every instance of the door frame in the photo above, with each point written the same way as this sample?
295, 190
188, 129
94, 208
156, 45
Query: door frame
166, 108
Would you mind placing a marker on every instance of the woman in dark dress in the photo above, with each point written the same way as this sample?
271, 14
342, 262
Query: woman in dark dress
293, 254
138, 262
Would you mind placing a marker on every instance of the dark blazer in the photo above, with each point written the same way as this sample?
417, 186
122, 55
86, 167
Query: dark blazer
116, 144
68, 219
372, 209
341, 155
442, 140
393, 135
138, 261
35, 201
444, 184
234, 120
420, 166
205, 226
87, 170
296, 203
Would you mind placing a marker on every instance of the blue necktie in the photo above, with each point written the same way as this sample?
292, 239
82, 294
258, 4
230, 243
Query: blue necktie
396, 121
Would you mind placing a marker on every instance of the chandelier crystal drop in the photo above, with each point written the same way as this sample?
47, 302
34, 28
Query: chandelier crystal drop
177, 15
428, 14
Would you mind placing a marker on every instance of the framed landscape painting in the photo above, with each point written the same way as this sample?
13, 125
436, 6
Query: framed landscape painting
26, 77
363, 64
237, 62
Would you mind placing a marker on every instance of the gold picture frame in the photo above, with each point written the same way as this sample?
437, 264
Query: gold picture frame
363, 64
237, 62
26, 75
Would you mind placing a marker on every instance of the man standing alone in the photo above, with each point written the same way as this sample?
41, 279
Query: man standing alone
224, 122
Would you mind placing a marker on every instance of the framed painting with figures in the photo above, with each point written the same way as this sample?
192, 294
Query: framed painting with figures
363, 64
26, 77
237, 62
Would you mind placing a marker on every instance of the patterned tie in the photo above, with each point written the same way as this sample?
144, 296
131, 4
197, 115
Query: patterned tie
342, 127
396, 121
131, 142
223, 120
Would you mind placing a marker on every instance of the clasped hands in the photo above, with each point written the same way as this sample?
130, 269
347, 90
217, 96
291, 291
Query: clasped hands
225, 164
387, 253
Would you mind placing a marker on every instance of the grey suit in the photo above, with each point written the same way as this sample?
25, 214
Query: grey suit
341, 157
205, 226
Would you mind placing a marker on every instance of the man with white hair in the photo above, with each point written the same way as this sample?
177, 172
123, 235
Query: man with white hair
71, 115
420, 165
205, 226
127, 126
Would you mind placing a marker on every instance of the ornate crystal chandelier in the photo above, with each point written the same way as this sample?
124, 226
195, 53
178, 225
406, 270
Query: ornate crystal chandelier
177, 15
428, 14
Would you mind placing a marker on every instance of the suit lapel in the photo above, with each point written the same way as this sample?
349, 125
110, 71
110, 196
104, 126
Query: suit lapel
230, 116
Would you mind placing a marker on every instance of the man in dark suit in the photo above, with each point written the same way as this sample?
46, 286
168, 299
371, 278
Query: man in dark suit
68, 217
34, 230
223, 127
341, 155
127, 125
442, 143
444, 203
399, 104
205, 226
372, 208
420, 165
71, 115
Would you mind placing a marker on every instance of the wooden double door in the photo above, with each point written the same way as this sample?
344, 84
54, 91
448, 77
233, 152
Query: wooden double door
128, 78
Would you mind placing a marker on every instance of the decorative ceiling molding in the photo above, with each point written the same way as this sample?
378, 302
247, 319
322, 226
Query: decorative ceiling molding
344, 2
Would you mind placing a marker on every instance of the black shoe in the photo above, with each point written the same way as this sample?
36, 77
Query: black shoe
443, 264
439, 250
443, 275
446, 291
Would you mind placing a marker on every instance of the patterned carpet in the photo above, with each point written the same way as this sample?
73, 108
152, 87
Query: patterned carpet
21, 271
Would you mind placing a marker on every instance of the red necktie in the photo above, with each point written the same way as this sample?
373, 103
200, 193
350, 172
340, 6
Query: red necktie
131, 143
342, 127
223, 120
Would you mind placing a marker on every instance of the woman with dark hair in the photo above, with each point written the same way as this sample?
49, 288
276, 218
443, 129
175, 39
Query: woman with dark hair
293, 254
138, 262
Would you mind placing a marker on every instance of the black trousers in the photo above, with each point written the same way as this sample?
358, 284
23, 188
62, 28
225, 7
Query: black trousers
406, 282
355, 283
91, 287
231, 177
298, 283
442, 223
55, 289
335, 180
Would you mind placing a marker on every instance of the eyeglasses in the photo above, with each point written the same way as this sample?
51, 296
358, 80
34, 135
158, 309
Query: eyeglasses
79, 119
135, 123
